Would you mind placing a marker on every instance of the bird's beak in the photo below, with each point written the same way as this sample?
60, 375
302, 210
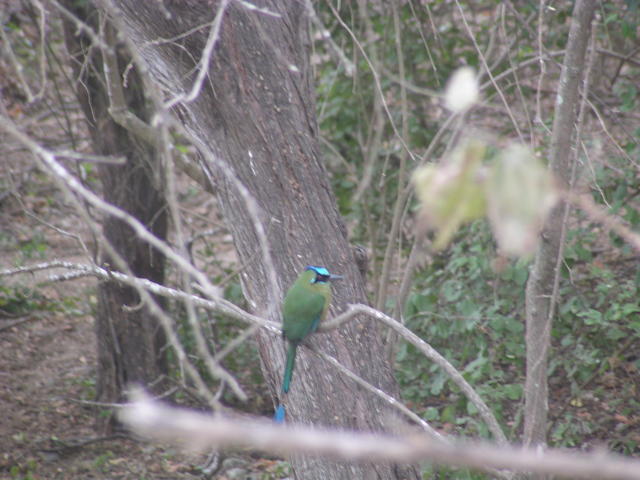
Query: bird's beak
335, 277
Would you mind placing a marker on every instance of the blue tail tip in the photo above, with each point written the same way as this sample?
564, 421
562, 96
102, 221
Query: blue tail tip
279, 415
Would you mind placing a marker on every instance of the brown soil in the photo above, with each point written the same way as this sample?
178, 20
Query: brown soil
47, 378
48, 358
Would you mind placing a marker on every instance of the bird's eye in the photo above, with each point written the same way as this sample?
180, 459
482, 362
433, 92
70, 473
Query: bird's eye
321, 278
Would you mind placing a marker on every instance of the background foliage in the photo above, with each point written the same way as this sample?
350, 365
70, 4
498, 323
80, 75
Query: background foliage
467, 301
375, 84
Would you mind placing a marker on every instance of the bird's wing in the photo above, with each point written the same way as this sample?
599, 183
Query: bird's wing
302, 315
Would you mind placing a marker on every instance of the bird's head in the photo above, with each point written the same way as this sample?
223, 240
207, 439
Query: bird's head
321, 274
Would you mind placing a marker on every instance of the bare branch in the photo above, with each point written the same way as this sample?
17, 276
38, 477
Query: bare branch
430, 353
227, 308
376, 391
79, 270
599, 214
399, 205
488, 70
61, 173
42, 25
255, 8
17, 66
197, 430
544, 276
118, 107
349, 67
90, 158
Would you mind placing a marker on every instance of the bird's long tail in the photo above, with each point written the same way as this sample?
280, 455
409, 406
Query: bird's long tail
288, 368
286, 379
279, 415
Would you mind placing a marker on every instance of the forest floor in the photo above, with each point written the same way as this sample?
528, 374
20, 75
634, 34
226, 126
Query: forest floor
47, 374
48, 369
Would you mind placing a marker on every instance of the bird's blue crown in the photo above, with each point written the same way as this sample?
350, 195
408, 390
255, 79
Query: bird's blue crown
322, 274
319, 270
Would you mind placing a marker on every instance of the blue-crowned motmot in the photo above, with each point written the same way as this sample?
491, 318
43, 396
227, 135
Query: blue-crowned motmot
305, 306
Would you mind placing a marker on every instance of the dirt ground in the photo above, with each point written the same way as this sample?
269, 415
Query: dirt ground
47, 372
47, 368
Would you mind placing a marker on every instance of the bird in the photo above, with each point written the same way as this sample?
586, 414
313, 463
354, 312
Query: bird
305, 305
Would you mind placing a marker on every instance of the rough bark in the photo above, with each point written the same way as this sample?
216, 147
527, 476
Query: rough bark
256, 114
545, 271
129, 340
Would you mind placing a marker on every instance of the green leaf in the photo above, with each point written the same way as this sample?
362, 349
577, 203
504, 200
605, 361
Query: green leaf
513, 391
591, 317
431, 414
616, 334
437, 384
448, 414
451, 290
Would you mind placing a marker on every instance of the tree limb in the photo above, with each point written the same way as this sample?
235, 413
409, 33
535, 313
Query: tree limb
197, 430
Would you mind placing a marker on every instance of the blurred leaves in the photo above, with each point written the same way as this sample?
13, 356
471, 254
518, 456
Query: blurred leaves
462, 90
452, 193
520, 194
515, 191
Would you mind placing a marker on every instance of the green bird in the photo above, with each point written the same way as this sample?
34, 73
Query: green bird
305, 306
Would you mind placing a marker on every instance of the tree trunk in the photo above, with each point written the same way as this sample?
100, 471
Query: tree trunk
256, 114
129, 339
542, 285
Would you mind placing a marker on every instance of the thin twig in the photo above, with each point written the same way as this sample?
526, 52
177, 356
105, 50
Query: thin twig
597, 213
376, 78
205, 60
383, 280
488, 70
325, 34
66, 446
75, 189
